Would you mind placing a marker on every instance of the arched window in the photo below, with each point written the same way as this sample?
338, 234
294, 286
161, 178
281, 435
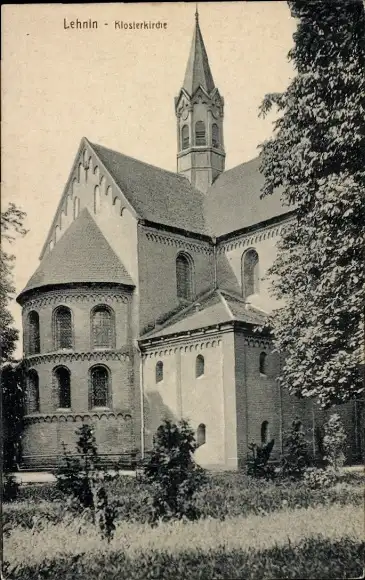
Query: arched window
102, 327
185, 137
250, 273
215, 135
62, 328
63, 385
263, 363
199, 366
33, 333
33, 392
201, 435
265, 433
184, 277
159, 371
200, 138
76, 207
99, 387
97, 199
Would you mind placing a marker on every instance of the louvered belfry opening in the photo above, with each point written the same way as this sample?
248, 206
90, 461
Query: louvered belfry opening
185, 137
200, 138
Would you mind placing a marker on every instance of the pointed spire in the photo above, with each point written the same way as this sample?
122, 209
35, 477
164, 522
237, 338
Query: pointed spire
198, 70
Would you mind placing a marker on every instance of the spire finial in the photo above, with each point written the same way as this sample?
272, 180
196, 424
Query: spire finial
196, 13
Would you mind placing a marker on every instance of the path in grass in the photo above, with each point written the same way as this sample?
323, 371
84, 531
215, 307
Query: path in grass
242, 533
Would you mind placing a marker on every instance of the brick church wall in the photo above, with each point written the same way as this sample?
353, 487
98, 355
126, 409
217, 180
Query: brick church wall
157, 253
260, 398
46, 429
229, 262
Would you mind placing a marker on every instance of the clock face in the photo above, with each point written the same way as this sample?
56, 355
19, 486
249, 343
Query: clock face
215, 111
184, 114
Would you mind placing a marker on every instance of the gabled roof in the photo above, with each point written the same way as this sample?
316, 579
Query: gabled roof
233, 201
155, 194
81, 255
198, 71
215, 307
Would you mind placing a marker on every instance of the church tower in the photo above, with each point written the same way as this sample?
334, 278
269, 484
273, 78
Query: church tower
199, 112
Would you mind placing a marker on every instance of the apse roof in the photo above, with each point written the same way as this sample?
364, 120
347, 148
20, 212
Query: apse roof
81, 255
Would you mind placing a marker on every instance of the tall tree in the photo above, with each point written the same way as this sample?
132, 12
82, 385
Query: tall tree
11, 376
316, 155
12, 220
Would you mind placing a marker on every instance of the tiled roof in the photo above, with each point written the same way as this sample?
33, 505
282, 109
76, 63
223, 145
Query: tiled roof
198, 70
156, 195
81, 255
241, 311
233, 201
215, 307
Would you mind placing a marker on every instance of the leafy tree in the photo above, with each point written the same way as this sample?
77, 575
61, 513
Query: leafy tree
174, 475
316, 157
13, 394
11, 377
11, 224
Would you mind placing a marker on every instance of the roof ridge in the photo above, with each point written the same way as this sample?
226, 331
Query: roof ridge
181, 313
233, 295
224, 301
174, 173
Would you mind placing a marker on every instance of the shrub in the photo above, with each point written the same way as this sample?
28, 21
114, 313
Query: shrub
258, 461
105, 515
295, 457
77, 473
319, 478
174, 475
334, 442
82, 478
10, 488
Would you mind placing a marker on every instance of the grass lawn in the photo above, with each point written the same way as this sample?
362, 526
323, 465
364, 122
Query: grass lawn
249, 529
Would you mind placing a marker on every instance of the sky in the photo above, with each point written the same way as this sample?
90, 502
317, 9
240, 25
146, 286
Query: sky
117, 87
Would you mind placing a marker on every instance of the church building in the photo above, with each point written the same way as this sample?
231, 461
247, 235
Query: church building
148, 295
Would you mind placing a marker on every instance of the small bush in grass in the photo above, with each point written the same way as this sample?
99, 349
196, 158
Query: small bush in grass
82, 478
258, 461
319, 478
105, 515
295, 459
334, 441
75, 475
10, 488
173, 473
